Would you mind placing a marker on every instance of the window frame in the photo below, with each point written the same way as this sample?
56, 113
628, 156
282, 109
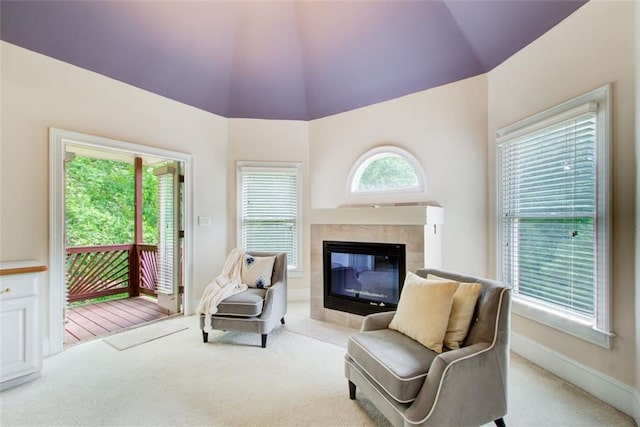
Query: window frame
272, 167
598, 330
360, 165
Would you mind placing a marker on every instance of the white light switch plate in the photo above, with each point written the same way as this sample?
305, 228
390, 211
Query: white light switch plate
204, 220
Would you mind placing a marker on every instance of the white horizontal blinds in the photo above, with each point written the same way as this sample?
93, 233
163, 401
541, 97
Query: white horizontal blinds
549, 204
167, 236
270, 212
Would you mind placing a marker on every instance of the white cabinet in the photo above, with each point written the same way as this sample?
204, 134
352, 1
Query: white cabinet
20, 322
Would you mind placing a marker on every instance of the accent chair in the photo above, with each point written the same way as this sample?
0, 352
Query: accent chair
412, 385
254, 310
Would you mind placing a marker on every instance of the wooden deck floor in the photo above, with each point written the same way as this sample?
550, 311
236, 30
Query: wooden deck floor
94, 320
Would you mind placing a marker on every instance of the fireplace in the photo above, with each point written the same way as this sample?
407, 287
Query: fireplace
363, 278
418, 228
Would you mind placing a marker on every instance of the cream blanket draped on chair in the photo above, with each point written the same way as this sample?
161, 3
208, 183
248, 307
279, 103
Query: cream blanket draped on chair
228, 283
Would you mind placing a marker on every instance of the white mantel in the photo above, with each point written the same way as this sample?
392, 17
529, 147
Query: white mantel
374, 215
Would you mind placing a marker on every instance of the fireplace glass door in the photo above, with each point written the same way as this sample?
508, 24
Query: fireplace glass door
362, 277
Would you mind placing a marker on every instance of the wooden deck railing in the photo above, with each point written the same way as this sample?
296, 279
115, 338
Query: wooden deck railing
148, 256
96, 271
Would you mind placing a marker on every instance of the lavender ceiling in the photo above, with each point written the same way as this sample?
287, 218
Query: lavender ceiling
297, 60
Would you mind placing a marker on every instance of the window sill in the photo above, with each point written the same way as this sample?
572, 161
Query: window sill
560, 321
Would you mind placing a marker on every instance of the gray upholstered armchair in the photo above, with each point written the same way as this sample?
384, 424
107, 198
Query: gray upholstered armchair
254, 310
412, 385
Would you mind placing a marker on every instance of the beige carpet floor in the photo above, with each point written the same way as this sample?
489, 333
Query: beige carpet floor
139, 336
297, 381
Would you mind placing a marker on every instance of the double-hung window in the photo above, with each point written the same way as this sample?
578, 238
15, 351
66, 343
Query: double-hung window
553, 202
269, 209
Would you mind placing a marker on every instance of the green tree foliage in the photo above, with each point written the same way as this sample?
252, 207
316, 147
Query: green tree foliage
388, 172
149, 207
558, 250
100, 203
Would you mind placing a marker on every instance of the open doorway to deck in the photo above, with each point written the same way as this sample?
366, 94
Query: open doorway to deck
113, 265
119, 210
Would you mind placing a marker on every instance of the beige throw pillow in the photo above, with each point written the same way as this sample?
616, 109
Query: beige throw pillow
423, 310
462, 309
257, 271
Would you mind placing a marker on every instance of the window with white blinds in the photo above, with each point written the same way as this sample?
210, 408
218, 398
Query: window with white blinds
550, 183
168, 230
269, 208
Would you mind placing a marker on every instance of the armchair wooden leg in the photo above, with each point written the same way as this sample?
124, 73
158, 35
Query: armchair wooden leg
205, 337
500, 422
264, 340
352, 391
282, 320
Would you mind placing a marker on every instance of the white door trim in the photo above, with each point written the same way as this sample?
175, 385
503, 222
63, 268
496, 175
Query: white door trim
57, 140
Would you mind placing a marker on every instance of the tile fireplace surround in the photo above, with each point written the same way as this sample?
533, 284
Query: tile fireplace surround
418, 227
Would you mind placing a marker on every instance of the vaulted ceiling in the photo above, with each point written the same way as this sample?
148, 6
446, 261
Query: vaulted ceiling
297, 60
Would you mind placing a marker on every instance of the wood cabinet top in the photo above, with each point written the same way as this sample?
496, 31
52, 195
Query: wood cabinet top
21, 267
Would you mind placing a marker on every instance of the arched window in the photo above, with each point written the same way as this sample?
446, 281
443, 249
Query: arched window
386, 170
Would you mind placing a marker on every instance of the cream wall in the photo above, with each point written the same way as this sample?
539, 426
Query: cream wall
592, 47
445, 129
637, 223
39, 92
274, 141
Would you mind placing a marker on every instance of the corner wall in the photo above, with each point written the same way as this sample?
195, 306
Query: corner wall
592, 47
637, 263
445, 129
39, 92
270, 141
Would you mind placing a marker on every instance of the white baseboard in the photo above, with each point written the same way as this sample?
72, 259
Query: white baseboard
636, 407
608, 389
46, 351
